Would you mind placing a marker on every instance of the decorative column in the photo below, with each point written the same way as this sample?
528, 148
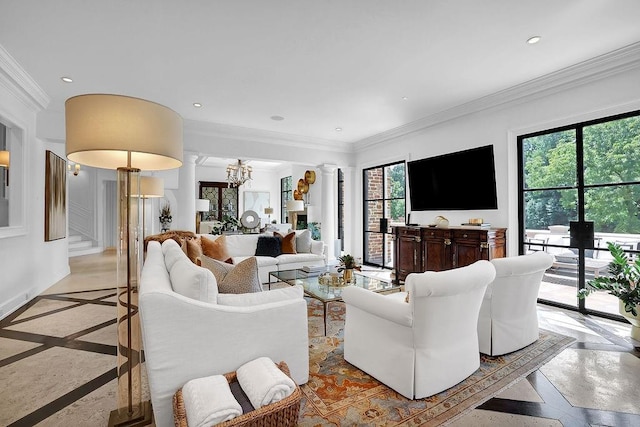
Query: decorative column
329, 209
186, 194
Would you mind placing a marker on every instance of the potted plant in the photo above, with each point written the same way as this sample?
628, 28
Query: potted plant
347, 264
165, 216
230, 223
622, 282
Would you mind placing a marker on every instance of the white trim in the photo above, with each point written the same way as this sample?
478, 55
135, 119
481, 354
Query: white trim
615, 62
217, 130
22, 85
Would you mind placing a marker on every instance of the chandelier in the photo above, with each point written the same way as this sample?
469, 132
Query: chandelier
238, 174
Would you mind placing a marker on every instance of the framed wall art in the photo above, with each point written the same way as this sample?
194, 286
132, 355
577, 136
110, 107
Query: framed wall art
55, 197
256, 201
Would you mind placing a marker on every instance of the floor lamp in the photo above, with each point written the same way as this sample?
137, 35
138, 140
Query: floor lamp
294, 206
202, 205
150, 187
129, 135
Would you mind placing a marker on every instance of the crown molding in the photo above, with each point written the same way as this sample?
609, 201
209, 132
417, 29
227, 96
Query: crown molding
238, 133
16, 79
602, 66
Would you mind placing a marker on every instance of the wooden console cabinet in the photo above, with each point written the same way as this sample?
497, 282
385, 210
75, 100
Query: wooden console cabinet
419, 249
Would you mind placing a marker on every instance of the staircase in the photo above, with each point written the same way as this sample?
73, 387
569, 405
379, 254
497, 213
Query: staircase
80, 245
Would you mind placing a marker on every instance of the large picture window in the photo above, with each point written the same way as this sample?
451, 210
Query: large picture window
577, 176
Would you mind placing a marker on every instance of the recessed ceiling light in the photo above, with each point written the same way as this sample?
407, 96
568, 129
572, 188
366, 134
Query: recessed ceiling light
197, 104
534, 39
277, 118
404, 98
66, 79
338, 129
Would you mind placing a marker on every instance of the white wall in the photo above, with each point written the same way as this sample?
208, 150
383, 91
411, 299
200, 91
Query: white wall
500, 126
28, 264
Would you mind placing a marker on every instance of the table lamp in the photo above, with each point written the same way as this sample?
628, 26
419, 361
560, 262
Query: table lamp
268, 212
202, 205
150, 187
127, 134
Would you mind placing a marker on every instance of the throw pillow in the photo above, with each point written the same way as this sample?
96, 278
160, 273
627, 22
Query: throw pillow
234, 279
303, 241
194, 248
192, 281
268, 246
287, 243
216, 249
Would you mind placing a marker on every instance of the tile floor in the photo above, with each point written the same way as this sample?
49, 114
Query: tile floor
57, 364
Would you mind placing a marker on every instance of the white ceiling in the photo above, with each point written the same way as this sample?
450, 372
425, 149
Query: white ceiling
320, 64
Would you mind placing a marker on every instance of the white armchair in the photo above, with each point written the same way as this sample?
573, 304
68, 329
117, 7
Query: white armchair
427, 345
508, 319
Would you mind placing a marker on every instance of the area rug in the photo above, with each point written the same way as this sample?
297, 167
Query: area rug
339, 394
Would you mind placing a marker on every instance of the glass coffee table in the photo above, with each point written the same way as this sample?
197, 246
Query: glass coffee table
317, 288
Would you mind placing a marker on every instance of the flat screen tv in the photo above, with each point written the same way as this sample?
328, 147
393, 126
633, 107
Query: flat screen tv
464, 180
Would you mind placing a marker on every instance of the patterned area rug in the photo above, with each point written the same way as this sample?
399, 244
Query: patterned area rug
339, 394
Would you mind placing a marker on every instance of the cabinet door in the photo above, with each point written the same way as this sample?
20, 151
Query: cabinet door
467, 247
436, 250
408, 257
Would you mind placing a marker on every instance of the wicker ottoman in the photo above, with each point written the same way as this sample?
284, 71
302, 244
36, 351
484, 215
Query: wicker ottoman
282, 413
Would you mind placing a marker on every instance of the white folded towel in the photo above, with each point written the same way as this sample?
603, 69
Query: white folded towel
209, 401
263, 382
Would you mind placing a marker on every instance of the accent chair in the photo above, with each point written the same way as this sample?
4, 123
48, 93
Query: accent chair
422, 346
508, 319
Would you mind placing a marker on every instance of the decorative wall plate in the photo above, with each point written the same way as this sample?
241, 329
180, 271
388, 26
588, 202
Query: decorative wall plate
310, 177
301, 186
250, 219
297, 195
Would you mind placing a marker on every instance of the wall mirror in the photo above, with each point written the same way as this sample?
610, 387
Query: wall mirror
12, 180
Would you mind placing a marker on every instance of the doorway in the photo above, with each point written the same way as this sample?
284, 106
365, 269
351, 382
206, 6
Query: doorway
579, 191
384, 207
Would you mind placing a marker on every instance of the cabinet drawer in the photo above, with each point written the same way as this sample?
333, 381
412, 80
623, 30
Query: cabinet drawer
434, 233
407, 232
470, 235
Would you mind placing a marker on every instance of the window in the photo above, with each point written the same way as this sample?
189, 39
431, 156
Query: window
384, 206
286, 190
587, 173
224, 200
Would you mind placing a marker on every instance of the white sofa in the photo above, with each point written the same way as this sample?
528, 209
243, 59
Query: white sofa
206, 333
508, 319
243, 246
424, 346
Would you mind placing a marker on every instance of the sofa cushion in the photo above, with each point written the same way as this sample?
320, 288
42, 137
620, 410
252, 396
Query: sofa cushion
263, 261
241, 244
317, 247
194, 248
276, 295
192, 281
172, 253
216, 249
287, 242
234, 279
303, 241
268, 246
